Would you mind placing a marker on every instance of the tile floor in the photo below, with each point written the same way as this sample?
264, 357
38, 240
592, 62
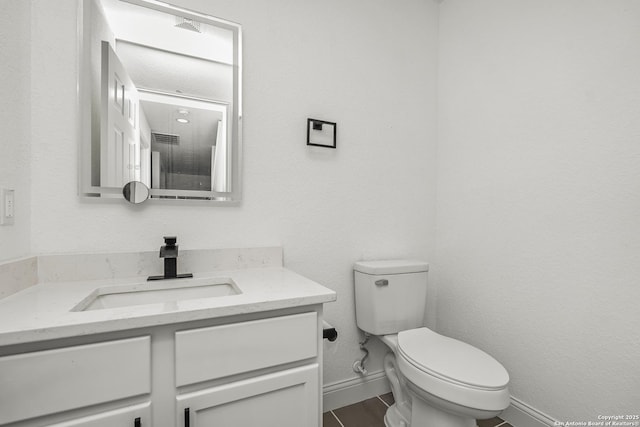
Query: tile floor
370, 413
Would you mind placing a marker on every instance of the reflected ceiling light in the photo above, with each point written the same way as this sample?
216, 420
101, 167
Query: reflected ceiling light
181, 120
183, 112
187, 24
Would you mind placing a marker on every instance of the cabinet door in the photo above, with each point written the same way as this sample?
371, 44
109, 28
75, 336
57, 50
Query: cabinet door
131, 416
283, 399
46, 382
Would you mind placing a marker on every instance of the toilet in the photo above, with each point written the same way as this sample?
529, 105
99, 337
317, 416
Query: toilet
436, 381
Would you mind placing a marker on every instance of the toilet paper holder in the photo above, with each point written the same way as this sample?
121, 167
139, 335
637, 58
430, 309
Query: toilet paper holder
329, 332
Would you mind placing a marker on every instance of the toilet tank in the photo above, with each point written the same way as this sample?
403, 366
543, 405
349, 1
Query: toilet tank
390, 295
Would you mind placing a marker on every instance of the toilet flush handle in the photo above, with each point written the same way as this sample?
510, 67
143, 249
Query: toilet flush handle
382, 282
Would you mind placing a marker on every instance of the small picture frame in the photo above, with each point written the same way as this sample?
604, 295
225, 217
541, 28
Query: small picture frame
321, 133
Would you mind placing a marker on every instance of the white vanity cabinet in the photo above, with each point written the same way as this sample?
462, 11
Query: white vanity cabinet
255, 369
286, 397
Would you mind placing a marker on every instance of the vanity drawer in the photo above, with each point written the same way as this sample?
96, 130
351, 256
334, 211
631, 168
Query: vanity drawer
46, 382
208, 353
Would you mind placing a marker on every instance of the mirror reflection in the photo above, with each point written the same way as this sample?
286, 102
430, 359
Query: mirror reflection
164, 91
135, 192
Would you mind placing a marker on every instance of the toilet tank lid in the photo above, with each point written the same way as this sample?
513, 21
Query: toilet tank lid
396, 266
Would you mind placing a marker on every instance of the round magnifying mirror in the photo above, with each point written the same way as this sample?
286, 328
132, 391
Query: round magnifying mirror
135, 192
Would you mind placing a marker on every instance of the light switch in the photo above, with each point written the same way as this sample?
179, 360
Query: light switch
7, 206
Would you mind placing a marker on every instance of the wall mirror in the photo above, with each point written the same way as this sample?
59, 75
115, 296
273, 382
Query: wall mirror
159, 101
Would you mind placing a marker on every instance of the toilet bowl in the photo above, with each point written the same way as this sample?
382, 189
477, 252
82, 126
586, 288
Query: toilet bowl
436, 381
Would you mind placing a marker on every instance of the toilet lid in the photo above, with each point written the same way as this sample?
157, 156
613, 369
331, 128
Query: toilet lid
451, 360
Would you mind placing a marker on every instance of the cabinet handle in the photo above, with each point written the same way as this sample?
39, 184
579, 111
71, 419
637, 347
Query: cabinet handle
136, 422
186, 417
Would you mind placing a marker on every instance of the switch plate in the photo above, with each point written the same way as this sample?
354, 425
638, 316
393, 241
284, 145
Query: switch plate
7, 206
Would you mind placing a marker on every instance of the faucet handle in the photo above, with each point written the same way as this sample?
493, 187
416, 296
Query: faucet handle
170, 240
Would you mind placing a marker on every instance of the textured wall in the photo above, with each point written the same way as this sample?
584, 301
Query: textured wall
14, 123
367, 65
538, 222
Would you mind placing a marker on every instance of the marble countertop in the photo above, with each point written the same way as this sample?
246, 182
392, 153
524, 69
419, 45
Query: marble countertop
44, 311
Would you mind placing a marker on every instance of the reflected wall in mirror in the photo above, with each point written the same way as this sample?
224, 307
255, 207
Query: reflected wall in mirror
160, 101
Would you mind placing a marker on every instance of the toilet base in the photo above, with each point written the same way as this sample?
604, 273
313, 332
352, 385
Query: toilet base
424, 415
398, 414
393, 418
412, 407
431, 411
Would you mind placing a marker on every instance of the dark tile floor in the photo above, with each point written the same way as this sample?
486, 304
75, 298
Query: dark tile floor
370, 413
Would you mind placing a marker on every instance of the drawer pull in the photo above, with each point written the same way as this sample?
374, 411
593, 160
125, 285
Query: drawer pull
137, 423
186, 417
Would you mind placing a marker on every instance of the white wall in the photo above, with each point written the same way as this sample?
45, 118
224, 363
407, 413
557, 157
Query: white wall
538, 208
14, 123
366, 64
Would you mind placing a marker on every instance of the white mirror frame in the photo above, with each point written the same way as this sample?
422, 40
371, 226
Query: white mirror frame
88, 191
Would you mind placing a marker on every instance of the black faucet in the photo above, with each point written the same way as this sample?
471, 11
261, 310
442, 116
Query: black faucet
170, 254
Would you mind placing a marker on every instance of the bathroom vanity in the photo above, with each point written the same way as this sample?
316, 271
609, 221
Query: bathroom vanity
247, 357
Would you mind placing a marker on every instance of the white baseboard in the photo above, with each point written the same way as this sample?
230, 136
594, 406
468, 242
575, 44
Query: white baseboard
347, 392
519, 414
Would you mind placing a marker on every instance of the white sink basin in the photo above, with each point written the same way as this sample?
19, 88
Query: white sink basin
157, 292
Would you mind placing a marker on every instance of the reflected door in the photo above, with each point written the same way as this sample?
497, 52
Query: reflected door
120, 133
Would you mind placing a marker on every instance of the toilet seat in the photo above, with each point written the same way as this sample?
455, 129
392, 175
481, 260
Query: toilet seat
451, 360
452, 369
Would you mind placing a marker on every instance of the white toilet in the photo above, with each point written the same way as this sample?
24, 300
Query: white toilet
436, 381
